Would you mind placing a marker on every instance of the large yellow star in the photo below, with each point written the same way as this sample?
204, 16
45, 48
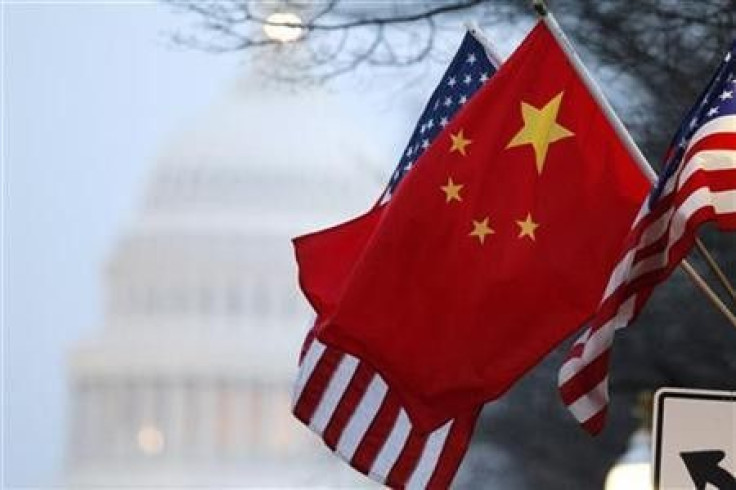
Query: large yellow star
452, 190
540, 129
481, 229
527, 227
459, 142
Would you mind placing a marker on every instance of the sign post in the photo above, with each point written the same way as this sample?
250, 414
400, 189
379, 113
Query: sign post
694, 439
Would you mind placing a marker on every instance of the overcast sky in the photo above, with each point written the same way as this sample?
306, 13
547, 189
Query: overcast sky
91, 91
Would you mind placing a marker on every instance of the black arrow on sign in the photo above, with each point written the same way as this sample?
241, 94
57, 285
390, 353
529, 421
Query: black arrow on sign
703, 468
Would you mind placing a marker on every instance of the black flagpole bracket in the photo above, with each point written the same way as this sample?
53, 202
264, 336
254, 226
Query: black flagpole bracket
540, 7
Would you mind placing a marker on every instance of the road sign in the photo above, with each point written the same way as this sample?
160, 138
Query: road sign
694, 440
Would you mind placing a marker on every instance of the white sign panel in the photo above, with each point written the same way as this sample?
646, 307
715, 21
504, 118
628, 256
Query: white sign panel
694, 440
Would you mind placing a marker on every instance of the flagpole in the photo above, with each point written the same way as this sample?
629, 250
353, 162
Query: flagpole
716, 269
629, 143
480, 36
700, 282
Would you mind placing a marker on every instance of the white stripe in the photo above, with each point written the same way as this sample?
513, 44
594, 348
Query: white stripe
679, 219
335, 389
655, 230
311, 358
722, 202
386, 197
601, 339
623, 271
391, 448
724, 124
573, 365
597, 342
708, 160
620, 274
361, 418
725, 202
583, 338
649, 264
430, 455
591, 403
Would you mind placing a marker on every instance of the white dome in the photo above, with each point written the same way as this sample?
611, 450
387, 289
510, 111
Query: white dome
267, 158
203, 320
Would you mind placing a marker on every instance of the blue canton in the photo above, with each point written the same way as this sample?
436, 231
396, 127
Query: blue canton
717, 100
468, 71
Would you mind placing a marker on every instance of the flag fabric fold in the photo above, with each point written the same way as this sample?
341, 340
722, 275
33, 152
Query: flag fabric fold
496, 247
338, 396
698, 185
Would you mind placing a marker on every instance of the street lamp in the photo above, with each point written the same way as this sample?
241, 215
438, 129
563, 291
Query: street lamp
283, 27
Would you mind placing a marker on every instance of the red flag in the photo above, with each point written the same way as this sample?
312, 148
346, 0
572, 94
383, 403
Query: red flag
497, 246
339, 397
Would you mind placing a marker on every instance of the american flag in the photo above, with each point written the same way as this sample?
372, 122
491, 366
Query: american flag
698, 184
469, 70
342, 399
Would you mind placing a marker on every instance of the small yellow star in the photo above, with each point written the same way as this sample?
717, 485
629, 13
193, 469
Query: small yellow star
527, 227
481, 229
452, 190
459, 143
540, 129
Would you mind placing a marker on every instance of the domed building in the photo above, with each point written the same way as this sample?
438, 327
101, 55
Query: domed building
188, 381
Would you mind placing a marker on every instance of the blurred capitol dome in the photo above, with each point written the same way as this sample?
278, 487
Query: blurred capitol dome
188, 380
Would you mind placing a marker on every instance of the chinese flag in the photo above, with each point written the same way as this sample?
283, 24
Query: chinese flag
494, 248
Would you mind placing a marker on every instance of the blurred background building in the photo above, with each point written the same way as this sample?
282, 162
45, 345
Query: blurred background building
187, 381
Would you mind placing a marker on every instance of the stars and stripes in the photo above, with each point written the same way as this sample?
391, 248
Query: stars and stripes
697, 185
341, 398
469, 70
350, 406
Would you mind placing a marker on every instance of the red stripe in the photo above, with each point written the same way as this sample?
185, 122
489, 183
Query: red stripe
595, 424
727, 222
717, 141
316, 385
654, 248
346, 408
712, 180
376, 434
407, 460
308, 341
678, 250
454, 450
719, 180
716, 181
634, 236
576, 350
586, 379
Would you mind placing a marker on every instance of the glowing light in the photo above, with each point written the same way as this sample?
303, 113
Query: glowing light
150, 440
633, 471
282, 33
634, 476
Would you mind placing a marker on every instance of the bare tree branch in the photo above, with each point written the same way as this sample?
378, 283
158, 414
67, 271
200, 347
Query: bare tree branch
326, 42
